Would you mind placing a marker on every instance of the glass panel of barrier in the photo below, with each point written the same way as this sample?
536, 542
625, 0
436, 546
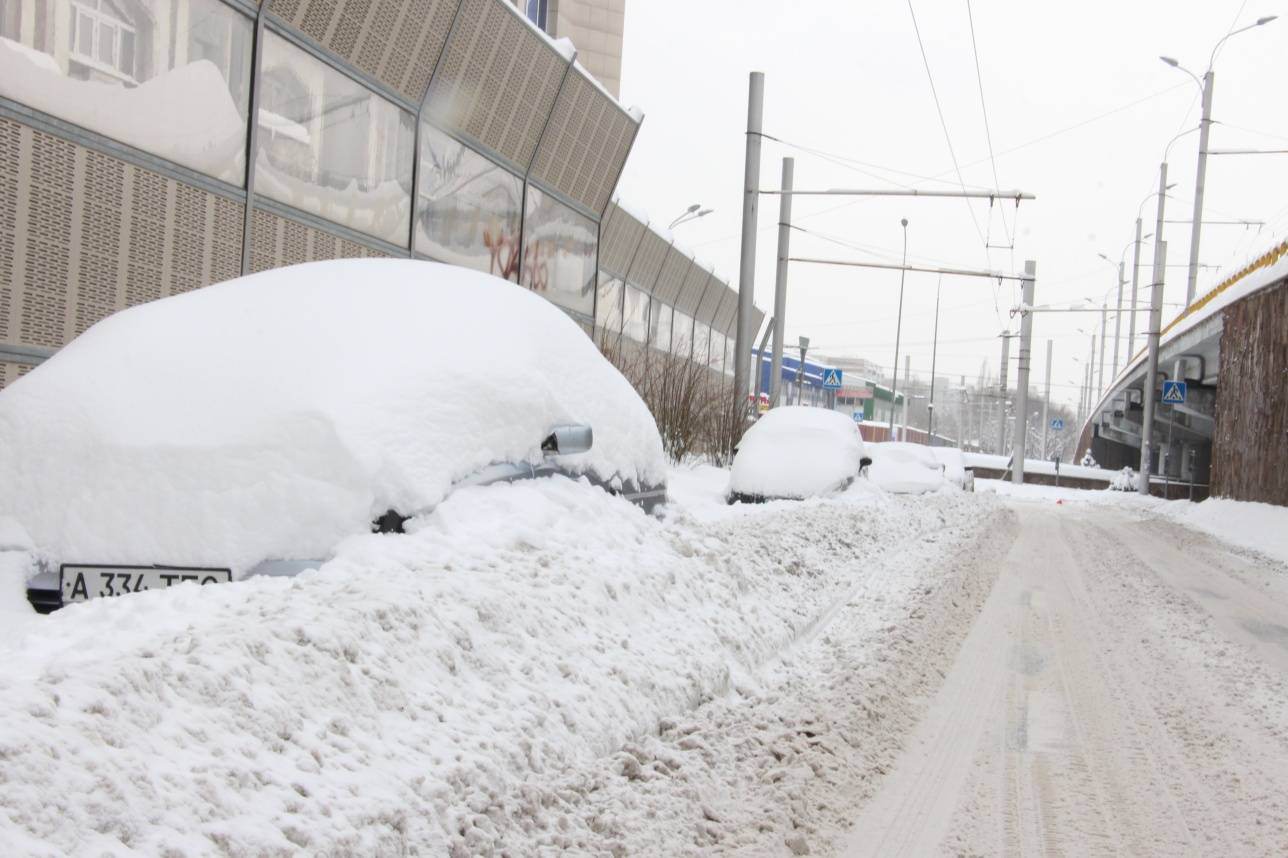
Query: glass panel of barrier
559, 253
469, 209
635, 315
332, 147
170, 77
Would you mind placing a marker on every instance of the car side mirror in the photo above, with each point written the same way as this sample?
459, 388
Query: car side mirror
864, 462
567, 440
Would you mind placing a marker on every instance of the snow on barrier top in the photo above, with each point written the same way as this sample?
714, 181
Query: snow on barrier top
272, 415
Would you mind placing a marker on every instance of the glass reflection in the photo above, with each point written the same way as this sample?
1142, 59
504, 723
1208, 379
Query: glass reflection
701, 338
635, 314
660, 326
608, 306
559, 253
170, 77
329, 146
682, 335
468, 210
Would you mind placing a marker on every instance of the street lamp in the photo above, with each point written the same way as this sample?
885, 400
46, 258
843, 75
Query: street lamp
898, 329
693, 212
1205, 124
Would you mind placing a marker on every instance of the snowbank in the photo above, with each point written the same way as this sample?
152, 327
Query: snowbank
269, 416
1039, 466
796, 452
1261, 527
435, 693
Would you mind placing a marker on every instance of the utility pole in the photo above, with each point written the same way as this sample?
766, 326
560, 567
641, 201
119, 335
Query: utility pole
1046, 403
934, 356
1001, 391
961, 417
1135, 276
907, 374
1118, 317
1019, 445
1205, 125
1150, 391
1104, 318
898, 329
780, 282
747, 263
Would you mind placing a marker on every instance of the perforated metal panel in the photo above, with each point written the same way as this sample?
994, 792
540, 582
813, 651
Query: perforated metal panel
648, 262
727, 315
497, 81
587, 144
712, 295
83, 234
397, 42
671, 279
619, 237
278, 241
695, 283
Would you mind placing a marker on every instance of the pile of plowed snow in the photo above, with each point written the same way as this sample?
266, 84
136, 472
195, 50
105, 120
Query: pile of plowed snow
404, 698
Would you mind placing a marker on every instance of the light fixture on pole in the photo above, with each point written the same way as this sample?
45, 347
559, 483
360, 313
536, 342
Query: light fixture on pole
1205, 124
693, 212
898, 328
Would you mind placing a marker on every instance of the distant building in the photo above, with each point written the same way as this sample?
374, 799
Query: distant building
594, 26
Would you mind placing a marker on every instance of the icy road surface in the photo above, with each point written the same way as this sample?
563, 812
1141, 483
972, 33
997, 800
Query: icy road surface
1122, 692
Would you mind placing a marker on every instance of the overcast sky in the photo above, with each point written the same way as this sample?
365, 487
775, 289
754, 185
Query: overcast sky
1079, 108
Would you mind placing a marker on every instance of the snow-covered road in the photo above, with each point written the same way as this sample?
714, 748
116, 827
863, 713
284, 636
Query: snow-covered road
1124, 691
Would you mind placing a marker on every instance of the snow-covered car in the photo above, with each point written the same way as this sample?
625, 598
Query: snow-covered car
248, 427
955, 469
796, 452
904, 468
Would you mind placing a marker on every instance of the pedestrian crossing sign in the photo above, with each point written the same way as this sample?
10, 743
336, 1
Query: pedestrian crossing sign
1174, 392
831, 379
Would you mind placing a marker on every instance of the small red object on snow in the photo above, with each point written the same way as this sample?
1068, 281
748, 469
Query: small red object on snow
1059, 501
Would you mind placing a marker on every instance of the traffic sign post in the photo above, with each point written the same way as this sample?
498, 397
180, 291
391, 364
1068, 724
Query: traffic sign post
1174, 392
1057, 424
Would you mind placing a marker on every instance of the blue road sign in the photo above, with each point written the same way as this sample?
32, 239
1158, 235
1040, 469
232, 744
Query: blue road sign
1057, 424
831, 379
1174, 392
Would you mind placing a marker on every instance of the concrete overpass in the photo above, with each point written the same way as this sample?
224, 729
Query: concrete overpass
1230, 437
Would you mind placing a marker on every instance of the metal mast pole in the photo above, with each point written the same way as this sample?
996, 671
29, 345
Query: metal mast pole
907, 374
747, 263
780, 282
1150, 392
1118, 317
1046, 403
1104, 320
1001, 399
1019, 445
1135, 277
934, 356
1204, 127
898, 328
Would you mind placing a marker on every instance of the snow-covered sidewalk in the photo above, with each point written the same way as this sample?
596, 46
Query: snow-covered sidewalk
480, 685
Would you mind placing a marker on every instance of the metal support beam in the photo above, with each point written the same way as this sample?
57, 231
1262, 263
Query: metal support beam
963, 272
747, 260
1019, 444
780, 283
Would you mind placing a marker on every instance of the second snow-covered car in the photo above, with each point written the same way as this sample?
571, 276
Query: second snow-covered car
248, 427
904, 468
796, 452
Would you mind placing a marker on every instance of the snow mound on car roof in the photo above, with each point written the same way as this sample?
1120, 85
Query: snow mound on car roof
796, 452
274, 414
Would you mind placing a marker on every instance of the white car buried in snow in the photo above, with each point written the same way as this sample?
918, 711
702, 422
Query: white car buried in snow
796, 452
956, 470
903, 468
248, 427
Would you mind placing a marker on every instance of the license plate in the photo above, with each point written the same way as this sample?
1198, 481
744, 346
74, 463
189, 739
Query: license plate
80, 583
